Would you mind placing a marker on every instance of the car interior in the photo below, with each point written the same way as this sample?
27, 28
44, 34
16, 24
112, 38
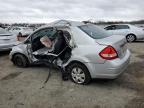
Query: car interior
61, 48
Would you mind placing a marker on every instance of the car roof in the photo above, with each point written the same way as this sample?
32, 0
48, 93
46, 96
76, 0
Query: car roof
63, 23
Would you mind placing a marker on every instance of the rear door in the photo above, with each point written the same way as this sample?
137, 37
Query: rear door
121, 30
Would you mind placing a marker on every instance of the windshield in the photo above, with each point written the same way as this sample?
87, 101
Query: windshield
94, 31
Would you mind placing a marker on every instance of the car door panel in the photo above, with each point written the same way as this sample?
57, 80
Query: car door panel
120, 32
35, 43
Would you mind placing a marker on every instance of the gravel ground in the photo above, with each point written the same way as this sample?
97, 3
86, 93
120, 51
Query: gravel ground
22, 88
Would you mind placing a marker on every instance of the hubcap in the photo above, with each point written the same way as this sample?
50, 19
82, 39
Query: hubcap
78, 75
130, 38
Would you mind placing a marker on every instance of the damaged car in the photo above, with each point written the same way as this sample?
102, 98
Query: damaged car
84, 51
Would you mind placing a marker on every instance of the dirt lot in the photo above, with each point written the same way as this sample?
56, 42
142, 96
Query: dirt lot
21, 88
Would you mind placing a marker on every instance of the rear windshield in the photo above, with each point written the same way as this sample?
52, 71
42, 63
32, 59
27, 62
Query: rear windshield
94, 31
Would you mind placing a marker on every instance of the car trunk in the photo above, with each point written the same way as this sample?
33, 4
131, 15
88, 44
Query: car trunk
117, 42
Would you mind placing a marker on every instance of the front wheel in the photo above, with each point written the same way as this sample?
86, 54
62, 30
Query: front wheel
79, 73
131, 38
20, 60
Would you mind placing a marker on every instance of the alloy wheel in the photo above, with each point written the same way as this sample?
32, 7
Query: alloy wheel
130, 38
78, 75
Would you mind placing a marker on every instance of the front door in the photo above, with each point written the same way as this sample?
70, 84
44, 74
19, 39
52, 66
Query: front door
121, 30
35, 43
111, 29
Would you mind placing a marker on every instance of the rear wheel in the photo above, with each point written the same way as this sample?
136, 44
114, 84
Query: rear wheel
79, 73
20, 60
131, 38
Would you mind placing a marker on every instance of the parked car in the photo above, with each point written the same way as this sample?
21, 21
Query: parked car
91, 53
131, 32
23, 30
7, 40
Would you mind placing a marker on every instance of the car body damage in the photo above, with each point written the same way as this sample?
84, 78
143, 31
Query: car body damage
82, 51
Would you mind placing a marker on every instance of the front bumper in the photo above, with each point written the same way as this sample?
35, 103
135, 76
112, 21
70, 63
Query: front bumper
110, 69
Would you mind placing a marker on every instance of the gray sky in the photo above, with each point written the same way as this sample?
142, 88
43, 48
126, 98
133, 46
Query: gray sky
50, 10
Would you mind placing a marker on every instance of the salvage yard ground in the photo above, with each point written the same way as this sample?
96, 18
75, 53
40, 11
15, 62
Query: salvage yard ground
22, 87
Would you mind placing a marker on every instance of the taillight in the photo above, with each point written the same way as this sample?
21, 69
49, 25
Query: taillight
108, 53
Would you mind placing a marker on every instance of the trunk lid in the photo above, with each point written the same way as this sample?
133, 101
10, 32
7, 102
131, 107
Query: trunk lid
116, 41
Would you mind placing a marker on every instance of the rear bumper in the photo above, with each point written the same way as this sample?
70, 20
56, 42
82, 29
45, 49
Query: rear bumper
110, 69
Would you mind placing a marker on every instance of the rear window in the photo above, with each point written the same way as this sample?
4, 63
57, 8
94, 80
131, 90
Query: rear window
94, 31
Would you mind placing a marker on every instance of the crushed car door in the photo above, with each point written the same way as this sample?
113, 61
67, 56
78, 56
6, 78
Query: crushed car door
36, 43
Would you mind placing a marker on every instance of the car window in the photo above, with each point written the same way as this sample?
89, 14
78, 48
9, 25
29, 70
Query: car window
94, 31
112, 27
3, 31
44, 32
122, 27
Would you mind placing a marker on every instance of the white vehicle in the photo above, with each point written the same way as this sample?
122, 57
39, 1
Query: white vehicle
132, 33
7, 40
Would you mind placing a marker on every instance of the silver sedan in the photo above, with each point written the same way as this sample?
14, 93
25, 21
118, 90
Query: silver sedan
92, 52
130, 32
7, 40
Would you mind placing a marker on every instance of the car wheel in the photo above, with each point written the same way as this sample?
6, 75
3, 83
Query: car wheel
130, 38
20, 60
79, 73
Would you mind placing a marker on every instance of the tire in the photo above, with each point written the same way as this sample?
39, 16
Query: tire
20, 60
79, 74
130, 38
